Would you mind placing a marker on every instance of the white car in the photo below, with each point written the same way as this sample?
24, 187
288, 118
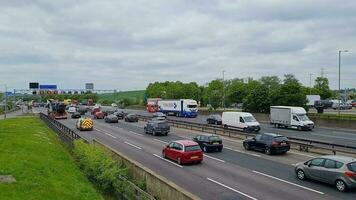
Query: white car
72, 109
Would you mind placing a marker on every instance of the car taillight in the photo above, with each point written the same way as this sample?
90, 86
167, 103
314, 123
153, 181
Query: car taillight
350, 174
275, 144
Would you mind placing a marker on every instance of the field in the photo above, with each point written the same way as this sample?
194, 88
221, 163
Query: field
43, 169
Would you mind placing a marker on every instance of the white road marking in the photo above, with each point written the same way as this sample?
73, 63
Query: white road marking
168, 161
137, 147
252, 154
106, 133
136, 133
161, 141
211, 157
302, 154
230, 188
269, 176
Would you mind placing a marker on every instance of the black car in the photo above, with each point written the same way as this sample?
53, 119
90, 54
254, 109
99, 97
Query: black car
323, 104
157, 127
159, 114
131, 118
119, 114
270, 143
111, 119
214, 119
76, 115
209, 142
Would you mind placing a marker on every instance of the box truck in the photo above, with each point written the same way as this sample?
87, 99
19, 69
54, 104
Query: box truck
179, 108
290, 117
241, 120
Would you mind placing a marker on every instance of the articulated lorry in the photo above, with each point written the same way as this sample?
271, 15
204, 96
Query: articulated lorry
290, 117
179, 108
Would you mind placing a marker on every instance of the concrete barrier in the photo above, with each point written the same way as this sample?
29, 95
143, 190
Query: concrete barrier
156, 185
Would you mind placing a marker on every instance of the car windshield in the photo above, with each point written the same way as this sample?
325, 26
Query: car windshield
352, 166
214, 138
192, 106
192, 148
249, 119
303, 117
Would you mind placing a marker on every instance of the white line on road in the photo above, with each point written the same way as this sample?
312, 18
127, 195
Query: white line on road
136, 133
161, 141
106, 133
168, 161
269, 176
252, 154
137, 147
211, 157
230, 188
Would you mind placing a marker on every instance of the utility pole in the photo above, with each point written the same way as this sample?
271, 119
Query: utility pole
339, 79
310, 82
223, 80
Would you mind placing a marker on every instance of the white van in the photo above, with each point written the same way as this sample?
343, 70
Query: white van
290, 117
242, 120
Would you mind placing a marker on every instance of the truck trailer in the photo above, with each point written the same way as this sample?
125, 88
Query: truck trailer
179, 108
290, 117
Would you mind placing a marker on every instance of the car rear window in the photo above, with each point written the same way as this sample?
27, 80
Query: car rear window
280, 139
352, 166
192, 148
214, 138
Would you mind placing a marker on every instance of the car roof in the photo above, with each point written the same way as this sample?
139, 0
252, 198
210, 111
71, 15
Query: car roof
186, 142
344, 159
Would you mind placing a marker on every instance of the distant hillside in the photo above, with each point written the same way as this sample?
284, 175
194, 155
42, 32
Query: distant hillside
137, 95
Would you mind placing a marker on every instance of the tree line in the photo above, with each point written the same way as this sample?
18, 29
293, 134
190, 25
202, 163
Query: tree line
254, 95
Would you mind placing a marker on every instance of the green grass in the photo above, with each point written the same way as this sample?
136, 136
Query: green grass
137, 94
333, 116
43, 168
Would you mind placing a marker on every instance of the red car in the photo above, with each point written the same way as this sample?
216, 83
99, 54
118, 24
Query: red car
99, 115
353, 103
94, 110
183, 151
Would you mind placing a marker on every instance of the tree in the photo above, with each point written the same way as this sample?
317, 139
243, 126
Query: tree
291, 93
322, 87
213, 93
258, 100
235, 91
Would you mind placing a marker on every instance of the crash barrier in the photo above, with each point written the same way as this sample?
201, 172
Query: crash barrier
68, 136
300, 144
156, 185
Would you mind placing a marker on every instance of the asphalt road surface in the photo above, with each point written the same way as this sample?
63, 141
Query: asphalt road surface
231, 174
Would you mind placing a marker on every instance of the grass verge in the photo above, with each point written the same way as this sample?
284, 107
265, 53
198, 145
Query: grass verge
42, 167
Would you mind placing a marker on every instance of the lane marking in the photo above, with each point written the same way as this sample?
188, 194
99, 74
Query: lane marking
168, 160
217, 159
232, 189
301, 154
136, 133
161, 141
137, 147
252, 154
284, 181
106, 133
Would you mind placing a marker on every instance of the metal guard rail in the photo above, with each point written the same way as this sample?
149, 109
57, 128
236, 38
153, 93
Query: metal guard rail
304, 144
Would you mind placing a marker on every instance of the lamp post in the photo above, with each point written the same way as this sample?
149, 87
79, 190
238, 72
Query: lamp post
339, 79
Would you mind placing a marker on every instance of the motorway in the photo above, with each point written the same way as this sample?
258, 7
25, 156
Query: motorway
329, 135
231, 174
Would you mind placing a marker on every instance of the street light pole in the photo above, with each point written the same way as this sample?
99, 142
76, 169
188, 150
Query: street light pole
223, 76
340, 79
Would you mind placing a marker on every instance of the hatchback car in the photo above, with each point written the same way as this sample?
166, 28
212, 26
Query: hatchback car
156, 127
183, 151
209, 142
99, 115
111, 119
131, 118
270, 143
214, 119
75, 115
333, 169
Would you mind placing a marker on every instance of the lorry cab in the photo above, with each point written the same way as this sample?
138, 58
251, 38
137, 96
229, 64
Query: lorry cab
300, 119
242, 120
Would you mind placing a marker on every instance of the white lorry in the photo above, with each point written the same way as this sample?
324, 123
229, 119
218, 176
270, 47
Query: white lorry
179, 108
290, 117
242, 120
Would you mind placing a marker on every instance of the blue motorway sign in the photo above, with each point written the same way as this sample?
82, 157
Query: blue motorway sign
8, 94
48, 87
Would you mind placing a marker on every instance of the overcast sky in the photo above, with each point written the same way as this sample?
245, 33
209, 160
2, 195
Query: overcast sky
121, 44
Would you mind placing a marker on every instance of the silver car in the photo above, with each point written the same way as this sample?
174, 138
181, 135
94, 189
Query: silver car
337, 170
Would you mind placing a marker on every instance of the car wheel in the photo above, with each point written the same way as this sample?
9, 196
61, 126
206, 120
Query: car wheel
163, 154
300, 174
166, 134
179, 161
205, 149
299, 128
216, 122
145, 130
340, 185
268, 151
247, 146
